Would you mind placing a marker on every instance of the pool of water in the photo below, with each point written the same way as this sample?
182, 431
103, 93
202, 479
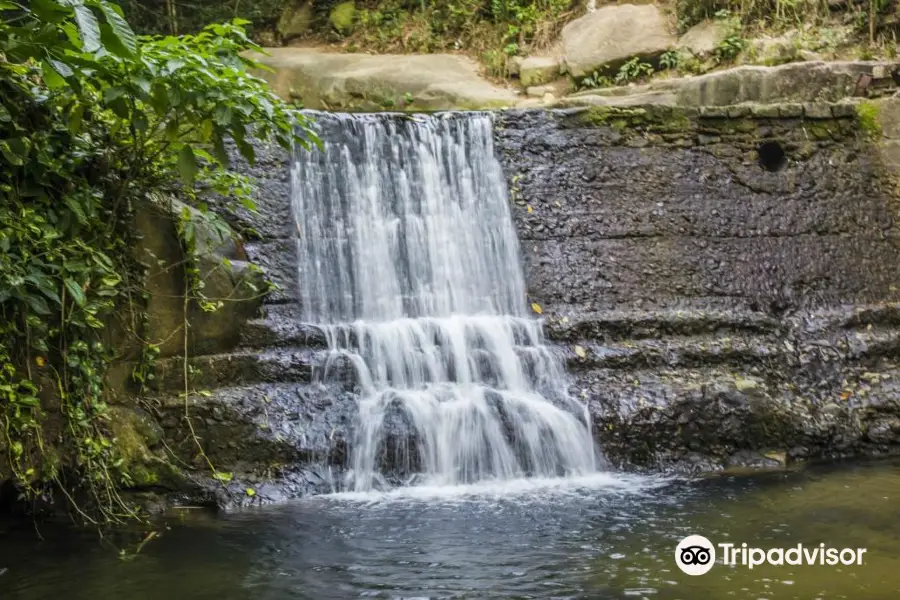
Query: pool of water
608, 536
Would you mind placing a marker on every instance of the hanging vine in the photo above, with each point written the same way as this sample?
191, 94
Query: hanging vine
92, 118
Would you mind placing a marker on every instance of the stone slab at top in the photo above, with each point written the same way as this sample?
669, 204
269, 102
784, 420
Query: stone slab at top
343, 81
811, 81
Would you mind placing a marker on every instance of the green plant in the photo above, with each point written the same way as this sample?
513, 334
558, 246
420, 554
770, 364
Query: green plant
487, 28
595, 80
495, 63
670, 60
753, 13
92, 119
729, 48
632, 70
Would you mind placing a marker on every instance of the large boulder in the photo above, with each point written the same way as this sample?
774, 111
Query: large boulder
538, 70
795, 82
342, 81
702, 39
608, 37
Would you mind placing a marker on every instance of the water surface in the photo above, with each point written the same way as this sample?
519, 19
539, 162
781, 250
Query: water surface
601, 537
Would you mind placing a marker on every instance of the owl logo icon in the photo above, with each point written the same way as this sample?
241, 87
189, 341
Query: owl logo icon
695, 555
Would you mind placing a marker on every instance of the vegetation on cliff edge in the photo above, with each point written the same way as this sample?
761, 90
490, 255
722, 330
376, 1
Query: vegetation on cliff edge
93, 119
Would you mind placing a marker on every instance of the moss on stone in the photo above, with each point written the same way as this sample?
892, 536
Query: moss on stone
133, 435
296, 19
658, 119
341, 17
867, 114
819, 131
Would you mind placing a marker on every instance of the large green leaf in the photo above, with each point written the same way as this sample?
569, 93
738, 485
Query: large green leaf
187, 164
48, 10
88, 28
120, 28
75, 291
38, 304
10, 154
62, 68
51, 77
219, 150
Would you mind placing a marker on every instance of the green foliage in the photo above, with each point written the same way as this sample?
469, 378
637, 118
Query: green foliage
92, 119
670, 60
729, 48
341, 17
632, 70
166, 17
508, 27
595, 80
767, 13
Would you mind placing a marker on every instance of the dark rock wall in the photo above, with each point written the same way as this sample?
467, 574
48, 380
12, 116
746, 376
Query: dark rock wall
690, 219
719, 303
712, 311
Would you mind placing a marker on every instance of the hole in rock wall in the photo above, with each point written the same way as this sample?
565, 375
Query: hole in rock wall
771, 156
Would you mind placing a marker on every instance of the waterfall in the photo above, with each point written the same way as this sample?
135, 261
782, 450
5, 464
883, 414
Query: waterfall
408, 259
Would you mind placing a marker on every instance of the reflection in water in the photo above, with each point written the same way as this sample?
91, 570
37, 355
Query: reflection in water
600, 538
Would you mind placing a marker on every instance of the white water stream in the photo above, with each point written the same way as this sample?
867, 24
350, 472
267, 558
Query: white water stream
409, 260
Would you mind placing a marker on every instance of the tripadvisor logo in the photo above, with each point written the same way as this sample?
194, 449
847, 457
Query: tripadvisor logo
696, 555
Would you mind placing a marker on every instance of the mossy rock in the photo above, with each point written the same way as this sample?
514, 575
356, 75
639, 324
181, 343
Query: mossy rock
650, 118
134, 435
341, 17
296, 19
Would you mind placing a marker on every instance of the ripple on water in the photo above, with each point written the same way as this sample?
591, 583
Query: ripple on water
605, 537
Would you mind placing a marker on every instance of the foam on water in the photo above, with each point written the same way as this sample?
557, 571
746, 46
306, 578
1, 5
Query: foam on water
409, 260
547, 489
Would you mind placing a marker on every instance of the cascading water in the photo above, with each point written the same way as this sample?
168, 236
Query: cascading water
408, 260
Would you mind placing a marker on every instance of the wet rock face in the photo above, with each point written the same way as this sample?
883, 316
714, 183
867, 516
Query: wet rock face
728, 281
720, 284
695, 221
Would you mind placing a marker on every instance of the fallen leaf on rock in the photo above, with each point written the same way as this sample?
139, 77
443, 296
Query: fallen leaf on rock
537, 308
529, 210
251, 492
580, 352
